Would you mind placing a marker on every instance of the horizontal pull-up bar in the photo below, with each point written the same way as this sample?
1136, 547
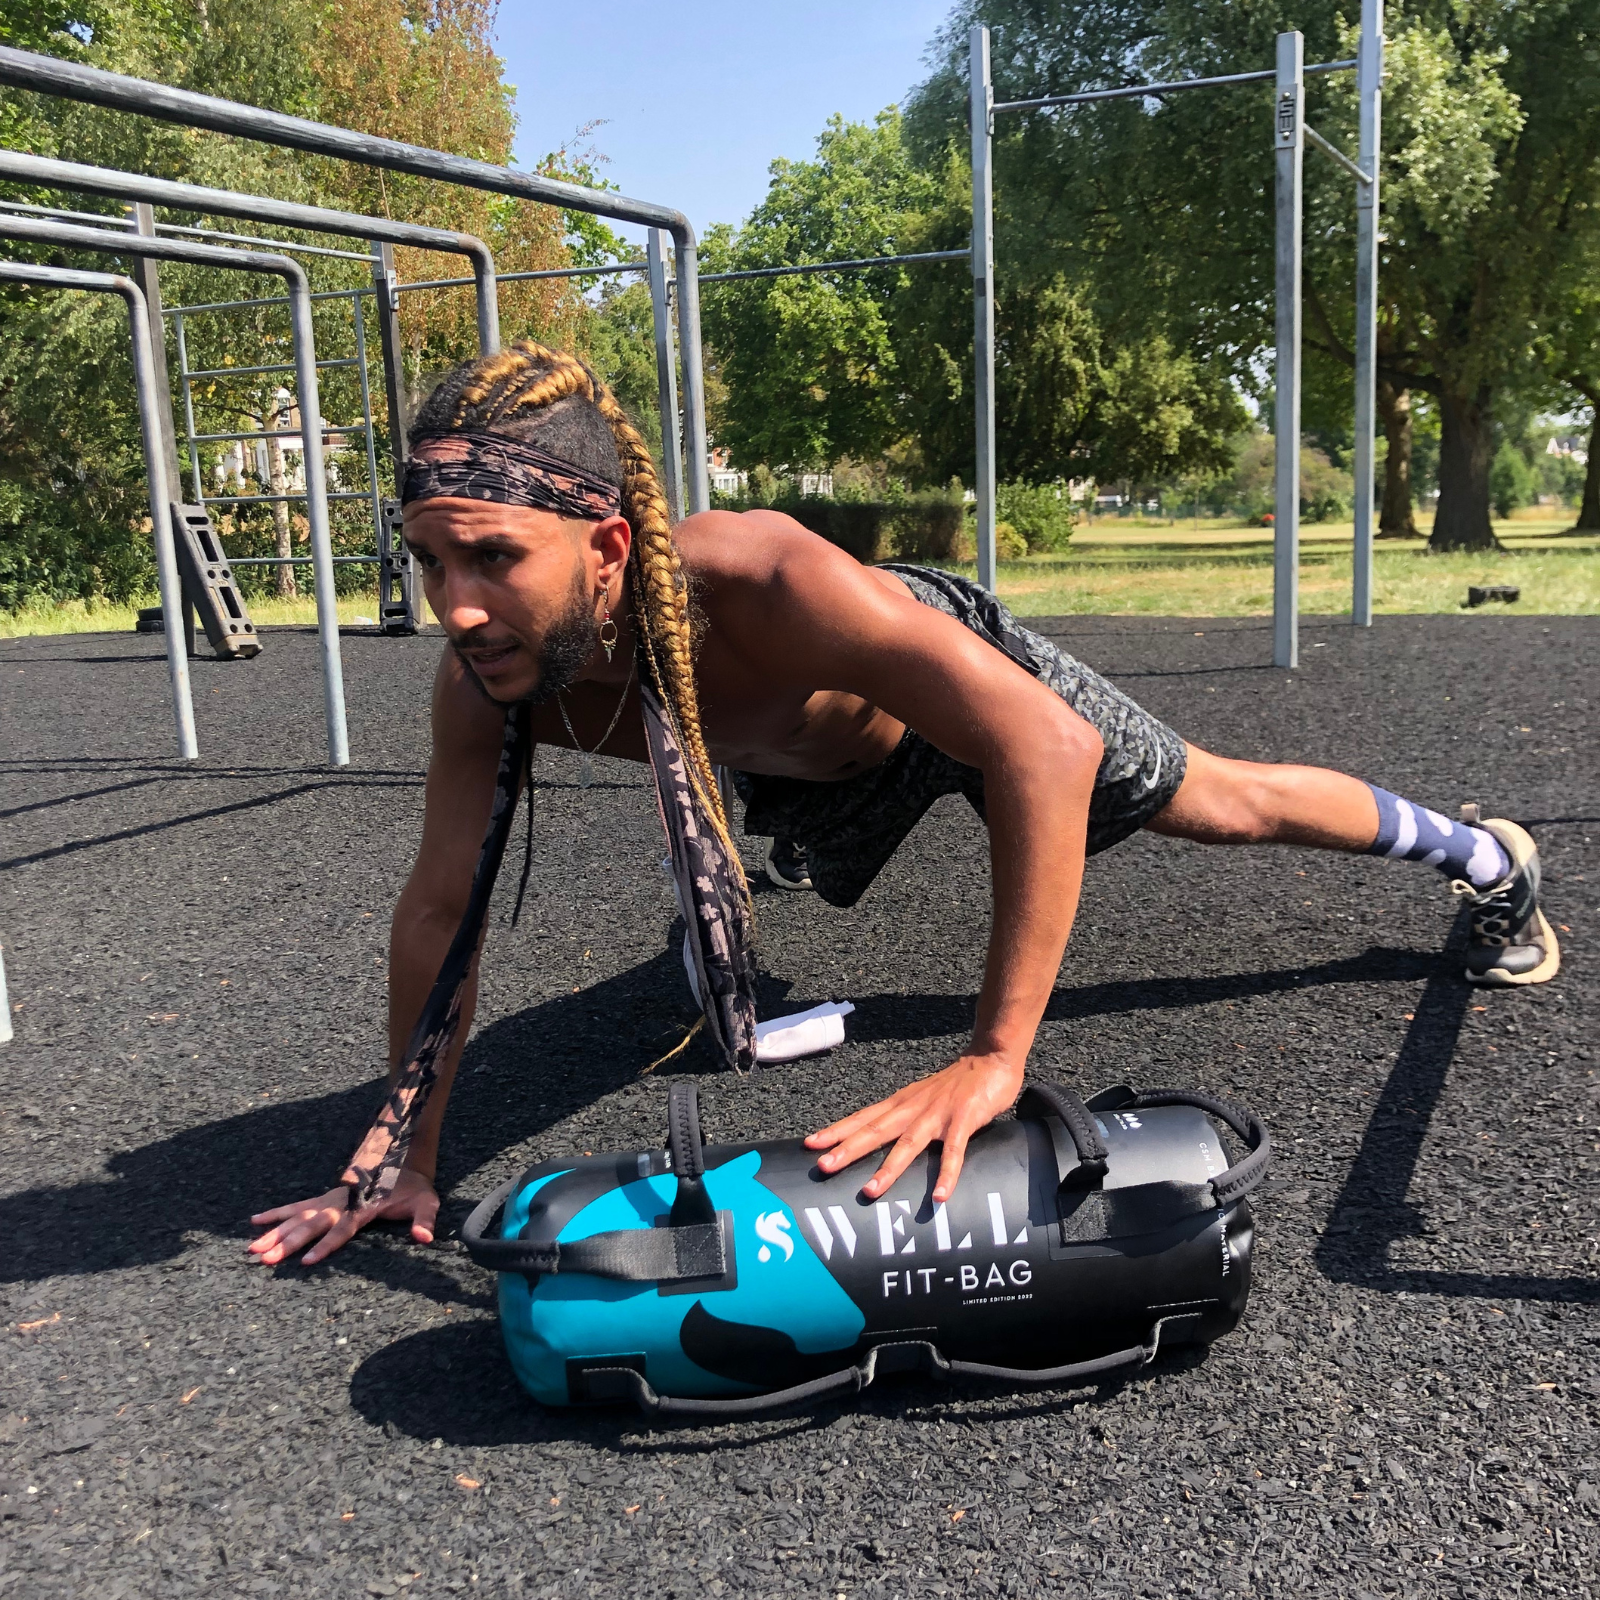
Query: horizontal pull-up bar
1136, 91
23, 69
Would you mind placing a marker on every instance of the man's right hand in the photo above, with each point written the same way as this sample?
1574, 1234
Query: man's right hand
325, 1223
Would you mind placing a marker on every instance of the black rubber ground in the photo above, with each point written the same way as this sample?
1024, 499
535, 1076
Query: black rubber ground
196, 958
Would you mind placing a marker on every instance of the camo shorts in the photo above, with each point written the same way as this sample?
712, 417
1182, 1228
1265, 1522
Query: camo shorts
851, 828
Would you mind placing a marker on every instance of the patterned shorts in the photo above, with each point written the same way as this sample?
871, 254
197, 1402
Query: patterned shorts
851, 828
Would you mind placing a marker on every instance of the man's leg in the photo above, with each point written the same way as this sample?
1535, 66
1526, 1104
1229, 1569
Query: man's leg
1496, 864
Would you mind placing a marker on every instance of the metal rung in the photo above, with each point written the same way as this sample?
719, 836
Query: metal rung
276, 433
267, 499
266, 300
298, 561
246, 372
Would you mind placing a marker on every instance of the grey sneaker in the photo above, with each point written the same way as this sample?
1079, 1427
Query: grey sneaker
786, 864
1511, 942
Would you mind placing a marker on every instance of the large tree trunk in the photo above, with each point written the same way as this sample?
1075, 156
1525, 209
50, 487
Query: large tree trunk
1397, 519
1466, 448
1589, 512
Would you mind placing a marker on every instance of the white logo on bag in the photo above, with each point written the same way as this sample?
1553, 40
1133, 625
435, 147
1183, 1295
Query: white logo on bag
773, 1226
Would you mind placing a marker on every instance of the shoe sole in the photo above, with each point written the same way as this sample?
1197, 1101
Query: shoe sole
1543, 973
774, 876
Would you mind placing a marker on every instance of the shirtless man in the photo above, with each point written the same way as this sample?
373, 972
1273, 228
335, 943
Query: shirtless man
846, 700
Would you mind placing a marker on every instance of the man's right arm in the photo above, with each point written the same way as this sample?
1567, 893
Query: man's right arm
467, 733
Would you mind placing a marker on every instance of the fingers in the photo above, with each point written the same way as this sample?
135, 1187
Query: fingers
280, 1213
954, 1157
339, 1234
305, 1223
423, 1217
857, 1120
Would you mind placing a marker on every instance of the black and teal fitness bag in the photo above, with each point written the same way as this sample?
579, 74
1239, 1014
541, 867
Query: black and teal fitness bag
726, 1279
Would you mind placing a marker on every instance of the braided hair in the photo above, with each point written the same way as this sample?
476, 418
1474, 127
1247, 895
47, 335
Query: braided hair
533, 393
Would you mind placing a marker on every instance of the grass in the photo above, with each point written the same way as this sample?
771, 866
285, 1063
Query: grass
78, 616
1118, 568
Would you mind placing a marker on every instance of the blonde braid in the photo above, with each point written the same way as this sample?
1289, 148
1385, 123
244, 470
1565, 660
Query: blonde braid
528, 377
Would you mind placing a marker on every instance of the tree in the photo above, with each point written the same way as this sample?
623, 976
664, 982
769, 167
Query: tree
1491, 185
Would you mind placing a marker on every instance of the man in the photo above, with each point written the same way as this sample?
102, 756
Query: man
845, 699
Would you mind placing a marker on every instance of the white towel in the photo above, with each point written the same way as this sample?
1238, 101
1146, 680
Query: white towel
803, 1033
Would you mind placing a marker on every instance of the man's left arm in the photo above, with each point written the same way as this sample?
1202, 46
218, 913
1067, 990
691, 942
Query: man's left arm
841, 628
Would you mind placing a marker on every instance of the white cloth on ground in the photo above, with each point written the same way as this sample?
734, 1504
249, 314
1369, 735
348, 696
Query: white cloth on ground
803, 1033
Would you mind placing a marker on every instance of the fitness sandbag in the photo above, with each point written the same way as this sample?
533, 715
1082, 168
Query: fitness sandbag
725, 1280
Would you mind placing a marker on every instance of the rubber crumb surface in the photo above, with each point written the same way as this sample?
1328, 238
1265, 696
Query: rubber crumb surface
196, 959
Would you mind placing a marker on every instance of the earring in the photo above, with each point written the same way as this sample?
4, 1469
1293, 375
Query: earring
608, 630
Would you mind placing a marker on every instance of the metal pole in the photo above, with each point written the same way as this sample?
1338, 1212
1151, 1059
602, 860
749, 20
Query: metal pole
1289, 144
982, 115
153, 403
109, 243
698, 474
1369, 91
488, 292
386, 281
146, 276
657, 244
305, 362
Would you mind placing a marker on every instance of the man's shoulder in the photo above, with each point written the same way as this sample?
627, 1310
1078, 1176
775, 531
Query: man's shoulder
746, 547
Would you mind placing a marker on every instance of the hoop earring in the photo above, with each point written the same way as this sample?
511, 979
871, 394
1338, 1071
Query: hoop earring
608, 639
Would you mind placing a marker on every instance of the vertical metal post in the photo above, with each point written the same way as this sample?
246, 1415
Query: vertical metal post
386, 283
1369, 91
5, 1004
697, 475
657, 244
982, 117
1290, 144
358, 313
305, 371
488, 291
146, 275
188, 405
155, 402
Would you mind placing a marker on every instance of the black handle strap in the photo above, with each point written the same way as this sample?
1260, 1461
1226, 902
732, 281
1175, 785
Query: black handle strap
1243, 1175
692, 1206
634, 1255
1050, 1099
912, 1355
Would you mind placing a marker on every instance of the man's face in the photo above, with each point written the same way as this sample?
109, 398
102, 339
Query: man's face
515, 589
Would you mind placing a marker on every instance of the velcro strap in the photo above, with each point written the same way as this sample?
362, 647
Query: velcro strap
646, 1255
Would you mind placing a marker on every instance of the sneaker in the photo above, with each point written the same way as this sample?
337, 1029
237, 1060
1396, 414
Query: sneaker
1511, 942
786, 864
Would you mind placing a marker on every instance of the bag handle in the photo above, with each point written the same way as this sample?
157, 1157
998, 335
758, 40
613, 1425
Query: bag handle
1243, 1175
692, 1205
911, 1355
1050, 1099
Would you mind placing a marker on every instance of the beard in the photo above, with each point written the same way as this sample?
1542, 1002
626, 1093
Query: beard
568, 644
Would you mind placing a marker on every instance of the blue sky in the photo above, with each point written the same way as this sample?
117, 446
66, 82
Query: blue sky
697, 98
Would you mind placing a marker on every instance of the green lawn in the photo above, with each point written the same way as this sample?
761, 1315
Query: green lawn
1120, 568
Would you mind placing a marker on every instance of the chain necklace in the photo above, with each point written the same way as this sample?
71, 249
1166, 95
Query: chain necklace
586, 766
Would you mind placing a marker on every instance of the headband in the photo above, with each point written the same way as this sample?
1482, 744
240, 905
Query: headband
490, 466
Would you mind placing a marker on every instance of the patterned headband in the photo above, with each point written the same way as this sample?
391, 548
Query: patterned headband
489, 466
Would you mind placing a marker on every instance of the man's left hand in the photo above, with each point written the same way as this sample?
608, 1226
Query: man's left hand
950, 1106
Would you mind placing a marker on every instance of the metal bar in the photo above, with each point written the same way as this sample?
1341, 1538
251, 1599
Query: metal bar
860, 265
188, 408
152, 401
273, 300
1369, 92
328, 429
264, 499
982, 119
303, 561
1289, 146
524, 277
697, 477
225, 202
658, 246
56, 213
1139, 90
146, 274
1336, 155
386, 285
249, 372
306, 371
359, 320
22, 69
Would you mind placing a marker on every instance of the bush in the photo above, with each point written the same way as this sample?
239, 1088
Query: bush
858, 527
927, 526
1009, 545
1042, 514
1512, 482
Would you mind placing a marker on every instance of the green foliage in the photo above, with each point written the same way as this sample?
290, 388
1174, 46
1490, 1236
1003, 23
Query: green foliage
1511, 480
1043, 514
622, 349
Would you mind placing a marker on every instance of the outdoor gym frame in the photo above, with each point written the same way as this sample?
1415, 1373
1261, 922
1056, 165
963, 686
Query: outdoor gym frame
106, 242
152, 401
22, 69
1289, 139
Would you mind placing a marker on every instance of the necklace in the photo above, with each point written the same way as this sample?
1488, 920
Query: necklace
586, 766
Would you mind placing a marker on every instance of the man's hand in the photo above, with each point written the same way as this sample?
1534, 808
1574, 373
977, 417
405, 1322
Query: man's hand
950, 1105
325, 1224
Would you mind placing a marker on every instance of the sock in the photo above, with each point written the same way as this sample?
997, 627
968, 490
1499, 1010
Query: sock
1408, 832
